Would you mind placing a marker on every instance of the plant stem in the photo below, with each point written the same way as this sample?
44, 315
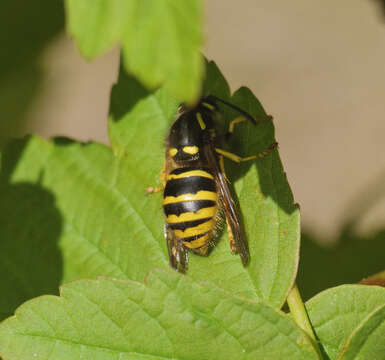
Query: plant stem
298, 311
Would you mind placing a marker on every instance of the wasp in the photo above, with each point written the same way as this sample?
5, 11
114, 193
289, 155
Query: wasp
196, 193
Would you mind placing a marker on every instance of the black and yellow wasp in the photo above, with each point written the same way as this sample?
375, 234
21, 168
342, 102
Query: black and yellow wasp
196, 193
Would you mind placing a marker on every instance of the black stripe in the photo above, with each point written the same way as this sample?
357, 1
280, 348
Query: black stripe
188, 185
187, 206
187, 224
195, 237
185, 169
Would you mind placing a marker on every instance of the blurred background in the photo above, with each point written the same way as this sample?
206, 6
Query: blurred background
316, 66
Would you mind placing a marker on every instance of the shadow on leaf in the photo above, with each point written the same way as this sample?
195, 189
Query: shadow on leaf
252, 139
30, 226
134, 90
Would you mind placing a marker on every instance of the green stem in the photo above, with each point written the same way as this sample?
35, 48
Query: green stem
298, 311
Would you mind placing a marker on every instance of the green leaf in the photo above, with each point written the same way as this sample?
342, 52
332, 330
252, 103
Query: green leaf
160, 39
336, 313
25, 243
215, 83
168, 317
101, 223
271, 219
368, 340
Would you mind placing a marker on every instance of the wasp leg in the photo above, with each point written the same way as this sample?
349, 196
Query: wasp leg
239, 159
152, 190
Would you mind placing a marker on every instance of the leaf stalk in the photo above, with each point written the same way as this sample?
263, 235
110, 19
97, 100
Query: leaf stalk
300, 316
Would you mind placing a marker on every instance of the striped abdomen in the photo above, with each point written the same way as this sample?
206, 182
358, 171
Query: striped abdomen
190, 203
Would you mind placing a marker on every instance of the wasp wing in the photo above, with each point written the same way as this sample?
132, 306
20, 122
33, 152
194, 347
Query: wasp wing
229, 206
177, 253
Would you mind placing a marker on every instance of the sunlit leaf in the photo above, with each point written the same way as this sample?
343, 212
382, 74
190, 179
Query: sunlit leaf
368, 340
138, 128
337, 313
168, 317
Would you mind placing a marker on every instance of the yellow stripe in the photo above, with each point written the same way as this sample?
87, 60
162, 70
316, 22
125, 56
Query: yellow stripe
196, 230
201, 122
200, 195
198, 242
192, 150
191, 216
173, 152
200, 173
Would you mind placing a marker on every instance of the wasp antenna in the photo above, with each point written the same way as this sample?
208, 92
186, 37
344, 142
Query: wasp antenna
243, 112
